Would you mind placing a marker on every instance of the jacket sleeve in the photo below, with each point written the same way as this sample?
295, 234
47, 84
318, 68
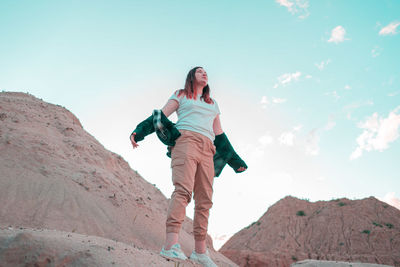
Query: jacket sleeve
236, 162
144, 128
167, 133
226, 154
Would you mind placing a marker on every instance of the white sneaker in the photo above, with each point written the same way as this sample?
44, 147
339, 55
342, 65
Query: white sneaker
203, 259
174, 253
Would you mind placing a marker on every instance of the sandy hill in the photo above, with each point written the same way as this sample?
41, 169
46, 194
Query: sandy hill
66, 200
366, 231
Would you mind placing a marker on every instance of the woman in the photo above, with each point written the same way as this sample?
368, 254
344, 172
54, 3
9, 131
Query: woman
192, 163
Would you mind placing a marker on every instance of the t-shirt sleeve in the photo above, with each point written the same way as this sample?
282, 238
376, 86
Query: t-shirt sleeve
175, 96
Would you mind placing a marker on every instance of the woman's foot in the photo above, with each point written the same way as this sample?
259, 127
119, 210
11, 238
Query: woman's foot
174, 253
203, 259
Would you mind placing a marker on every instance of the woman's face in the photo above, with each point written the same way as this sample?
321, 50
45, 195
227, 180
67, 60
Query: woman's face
201, 77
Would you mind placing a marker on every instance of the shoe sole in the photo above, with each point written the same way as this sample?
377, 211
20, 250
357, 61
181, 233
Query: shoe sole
172, 259
195, 261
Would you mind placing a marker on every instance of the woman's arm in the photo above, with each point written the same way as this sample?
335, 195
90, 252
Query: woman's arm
217, 126
170, 107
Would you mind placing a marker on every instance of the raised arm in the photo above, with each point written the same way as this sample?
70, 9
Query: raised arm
170, 107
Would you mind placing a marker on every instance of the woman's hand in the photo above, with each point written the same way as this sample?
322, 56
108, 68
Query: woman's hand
241, 169
134, 144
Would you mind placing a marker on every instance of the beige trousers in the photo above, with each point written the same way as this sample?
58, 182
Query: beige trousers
192, 171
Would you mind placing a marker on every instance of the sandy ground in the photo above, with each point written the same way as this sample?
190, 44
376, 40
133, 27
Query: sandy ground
41, 247
315, 263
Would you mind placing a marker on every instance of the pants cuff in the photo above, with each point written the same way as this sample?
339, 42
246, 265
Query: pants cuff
199, 237
173, 229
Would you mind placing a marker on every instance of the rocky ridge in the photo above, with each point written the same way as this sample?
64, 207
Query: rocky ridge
366, 231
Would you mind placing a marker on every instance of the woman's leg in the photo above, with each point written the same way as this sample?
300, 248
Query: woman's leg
171, 239
200, 246
183, 171
203, 190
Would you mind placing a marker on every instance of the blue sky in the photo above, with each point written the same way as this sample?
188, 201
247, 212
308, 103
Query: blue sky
309, 91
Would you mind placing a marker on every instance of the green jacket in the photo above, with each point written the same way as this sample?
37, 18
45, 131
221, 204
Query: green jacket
167, 133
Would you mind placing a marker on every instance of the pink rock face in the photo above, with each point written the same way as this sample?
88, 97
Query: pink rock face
366, 230
56, 176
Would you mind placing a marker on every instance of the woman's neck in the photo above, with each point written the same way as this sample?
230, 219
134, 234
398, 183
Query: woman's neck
198, 90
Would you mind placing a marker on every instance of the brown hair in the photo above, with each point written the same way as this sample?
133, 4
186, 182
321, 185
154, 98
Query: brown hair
188, 91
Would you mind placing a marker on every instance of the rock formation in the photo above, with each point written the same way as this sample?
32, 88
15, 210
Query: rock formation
366, 231
59, 186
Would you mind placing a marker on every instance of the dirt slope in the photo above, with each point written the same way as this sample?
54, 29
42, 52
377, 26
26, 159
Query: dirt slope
56, 176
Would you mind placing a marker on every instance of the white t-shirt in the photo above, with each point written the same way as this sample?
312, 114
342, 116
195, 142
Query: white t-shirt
196, 115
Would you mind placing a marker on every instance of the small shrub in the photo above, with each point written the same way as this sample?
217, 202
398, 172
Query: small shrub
341, 204
294, 258
389, 225
366, 232
301, 213
341, 244
377, 224
250, 225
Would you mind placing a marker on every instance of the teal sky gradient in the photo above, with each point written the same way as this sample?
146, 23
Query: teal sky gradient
112, 62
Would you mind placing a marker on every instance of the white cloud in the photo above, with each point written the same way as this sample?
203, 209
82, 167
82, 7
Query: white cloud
376, 51
378, 133
347, 87
286, 3
287, 138
333, 94
287, 78
299, 7
278, 100
323, 64
266, 139
337, 35
330, 125
389, 29
264, 101
389, 82
312, 143
356, 105
219, 240
356, 153
297, 128
391, 200
394, 93
308, 76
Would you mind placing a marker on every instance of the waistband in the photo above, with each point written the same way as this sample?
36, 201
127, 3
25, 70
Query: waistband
200, 137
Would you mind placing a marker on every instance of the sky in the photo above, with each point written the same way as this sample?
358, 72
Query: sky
309, 91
